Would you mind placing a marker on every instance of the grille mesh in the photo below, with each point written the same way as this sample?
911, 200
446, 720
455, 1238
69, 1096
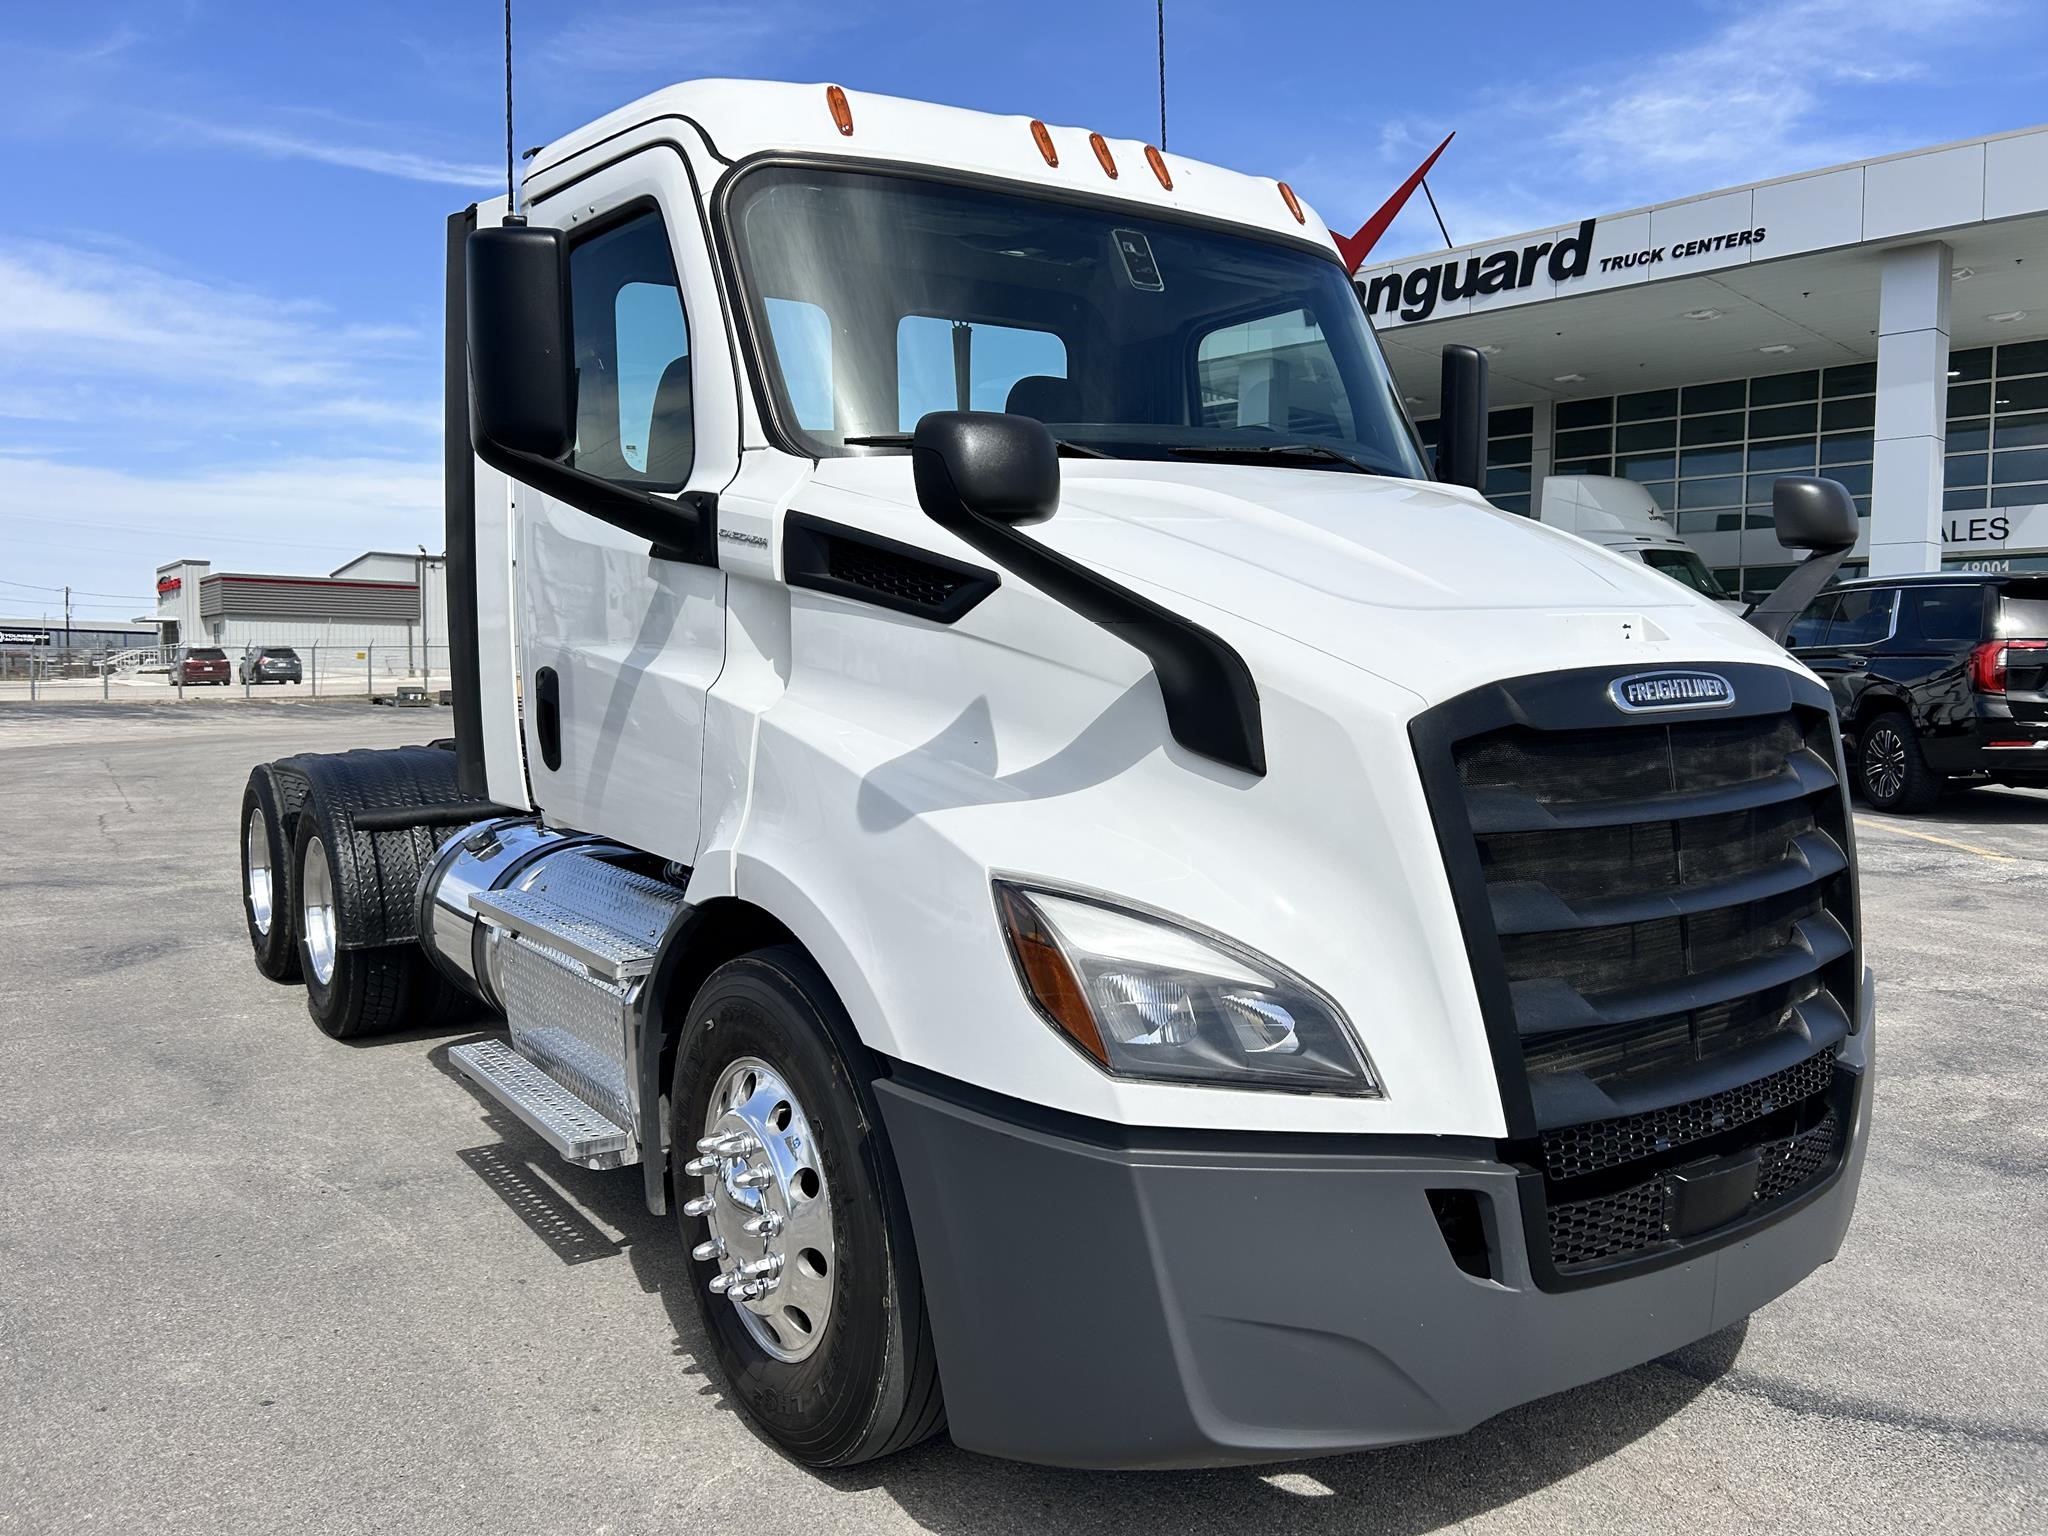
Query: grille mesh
1614, 1226
1573, 1151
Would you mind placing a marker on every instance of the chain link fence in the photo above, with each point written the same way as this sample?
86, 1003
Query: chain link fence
398, 674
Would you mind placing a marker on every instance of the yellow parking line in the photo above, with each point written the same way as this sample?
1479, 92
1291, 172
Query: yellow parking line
1866, 824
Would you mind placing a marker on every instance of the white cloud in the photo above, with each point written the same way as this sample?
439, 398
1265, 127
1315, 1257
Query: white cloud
114, 344
1754, 99
276, 144
107, 529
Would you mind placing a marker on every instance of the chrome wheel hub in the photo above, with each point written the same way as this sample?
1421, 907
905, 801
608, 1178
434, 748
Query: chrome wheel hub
316, 913
1884, 766
256, 848
769, 1211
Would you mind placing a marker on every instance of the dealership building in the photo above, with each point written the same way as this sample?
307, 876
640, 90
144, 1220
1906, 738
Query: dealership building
395, 603
1883, 323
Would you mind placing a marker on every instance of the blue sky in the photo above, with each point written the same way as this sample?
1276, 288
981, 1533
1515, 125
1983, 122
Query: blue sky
220, 258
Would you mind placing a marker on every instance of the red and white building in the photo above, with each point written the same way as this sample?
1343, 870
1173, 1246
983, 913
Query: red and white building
379, 599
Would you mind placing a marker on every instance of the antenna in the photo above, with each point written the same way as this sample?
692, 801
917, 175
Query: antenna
511, 187
1162, 72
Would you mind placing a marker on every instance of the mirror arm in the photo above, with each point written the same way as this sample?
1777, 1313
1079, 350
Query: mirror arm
1212, 703
1773, 614
684, 529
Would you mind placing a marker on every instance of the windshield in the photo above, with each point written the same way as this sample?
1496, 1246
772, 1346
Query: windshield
881, 297
1683, 565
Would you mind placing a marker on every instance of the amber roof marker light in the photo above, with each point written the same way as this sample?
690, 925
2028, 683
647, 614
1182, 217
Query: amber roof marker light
1158, 163
842, 114
1103, 157
1042, 136
1293, 203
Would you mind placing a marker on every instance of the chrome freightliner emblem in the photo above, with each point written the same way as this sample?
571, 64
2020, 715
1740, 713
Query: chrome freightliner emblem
1648, 692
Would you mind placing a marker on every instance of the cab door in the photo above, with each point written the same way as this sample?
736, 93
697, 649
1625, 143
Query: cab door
619, 644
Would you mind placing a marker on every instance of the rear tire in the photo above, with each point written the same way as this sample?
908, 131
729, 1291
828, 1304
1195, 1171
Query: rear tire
269, 910
351, 993
865, 1382
1891, 771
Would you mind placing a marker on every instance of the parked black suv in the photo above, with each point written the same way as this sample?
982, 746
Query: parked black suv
1937, 679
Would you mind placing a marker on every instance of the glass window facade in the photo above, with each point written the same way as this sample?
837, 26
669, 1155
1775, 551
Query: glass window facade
1510, 445
1709, 452
1997, 428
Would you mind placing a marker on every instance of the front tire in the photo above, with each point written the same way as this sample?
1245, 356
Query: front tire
1891, 770
833, 1360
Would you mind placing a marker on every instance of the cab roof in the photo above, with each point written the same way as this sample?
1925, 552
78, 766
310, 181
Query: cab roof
738, 119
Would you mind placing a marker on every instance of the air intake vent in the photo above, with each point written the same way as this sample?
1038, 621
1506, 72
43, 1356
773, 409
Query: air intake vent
853, 563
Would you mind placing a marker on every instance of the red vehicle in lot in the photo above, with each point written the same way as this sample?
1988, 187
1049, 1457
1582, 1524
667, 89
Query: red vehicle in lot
202, 664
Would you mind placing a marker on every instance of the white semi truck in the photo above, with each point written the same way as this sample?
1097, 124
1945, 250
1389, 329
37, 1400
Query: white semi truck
1622, 516
1121, 916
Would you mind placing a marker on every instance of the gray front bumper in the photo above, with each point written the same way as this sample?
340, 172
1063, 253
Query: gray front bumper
1184, 1300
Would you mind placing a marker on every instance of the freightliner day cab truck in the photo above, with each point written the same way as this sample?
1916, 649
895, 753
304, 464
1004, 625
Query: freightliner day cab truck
1121, 916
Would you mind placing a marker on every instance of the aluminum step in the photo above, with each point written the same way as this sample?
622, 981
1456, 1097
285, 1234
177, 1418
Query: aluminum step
605, 950
565, 1122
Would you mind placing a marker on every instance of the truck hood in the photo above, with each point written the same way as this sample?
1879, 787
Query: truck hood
1365, 568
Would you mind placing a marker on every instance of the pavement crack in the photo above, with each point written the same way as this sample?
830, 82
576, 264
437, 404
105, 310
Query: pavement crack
1794, 1398
127, 804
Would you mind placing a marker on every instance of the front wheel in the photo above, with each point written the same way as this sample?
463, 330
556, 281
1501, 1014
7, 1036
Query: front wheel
805, 1275
1890, 768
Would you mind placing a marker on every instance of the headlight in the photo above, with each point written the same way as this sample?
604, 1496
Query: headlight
1149, 997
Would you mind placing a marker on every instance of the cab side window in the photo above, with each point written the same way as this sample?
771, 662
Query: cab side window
1865, 618
1811, 627
1946, 615
634, 422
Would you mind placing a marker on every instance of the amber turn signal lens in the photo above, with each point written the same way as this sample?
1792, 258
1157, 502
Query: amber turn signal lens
1043, 136
1100, 145
1158, 163
1050, 980
842, 114
1293, 203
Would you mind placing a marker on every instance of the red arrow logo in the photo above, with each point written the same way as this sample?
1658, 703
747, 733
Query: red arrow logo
1355, 249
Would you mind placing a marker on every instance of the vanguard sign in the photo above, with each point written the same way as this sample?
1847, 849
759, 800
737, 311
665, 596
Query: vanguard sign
1415, 293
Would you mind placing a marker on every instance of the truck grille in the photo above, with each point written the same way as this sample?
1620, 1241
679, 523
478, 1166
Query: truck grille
1660, 916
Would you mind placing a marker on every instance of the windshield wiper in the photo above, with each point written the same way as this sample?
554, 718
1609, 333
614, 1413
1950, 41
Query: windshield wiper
1318, 451
902, 440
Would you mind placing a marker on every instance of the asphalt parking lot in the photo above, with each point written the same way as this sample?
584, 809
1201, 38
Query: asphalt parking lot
253, 1280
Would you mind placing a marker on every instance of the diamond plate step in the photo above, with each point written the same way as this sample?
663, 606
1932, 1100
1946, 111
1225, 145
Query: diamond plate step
561, 1119
608, 952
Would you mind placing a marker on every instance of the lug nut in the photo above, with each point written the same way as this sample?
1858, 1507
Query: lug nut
729, 1144
698, 1167
707, 1250
754, 1178
721, 1284
767, 1224
702, 1205
760, 1269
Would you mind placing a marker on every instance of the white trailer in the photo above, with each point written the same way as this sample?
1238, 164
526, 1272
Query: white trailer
1123, 917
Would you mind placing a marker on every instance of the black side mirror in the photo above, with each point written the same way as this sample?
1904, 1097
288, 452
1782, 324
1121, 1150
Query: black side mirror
982, 476
1461, 423
1003, 468
1812, 513
521, 377
521, 361
1815, 515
